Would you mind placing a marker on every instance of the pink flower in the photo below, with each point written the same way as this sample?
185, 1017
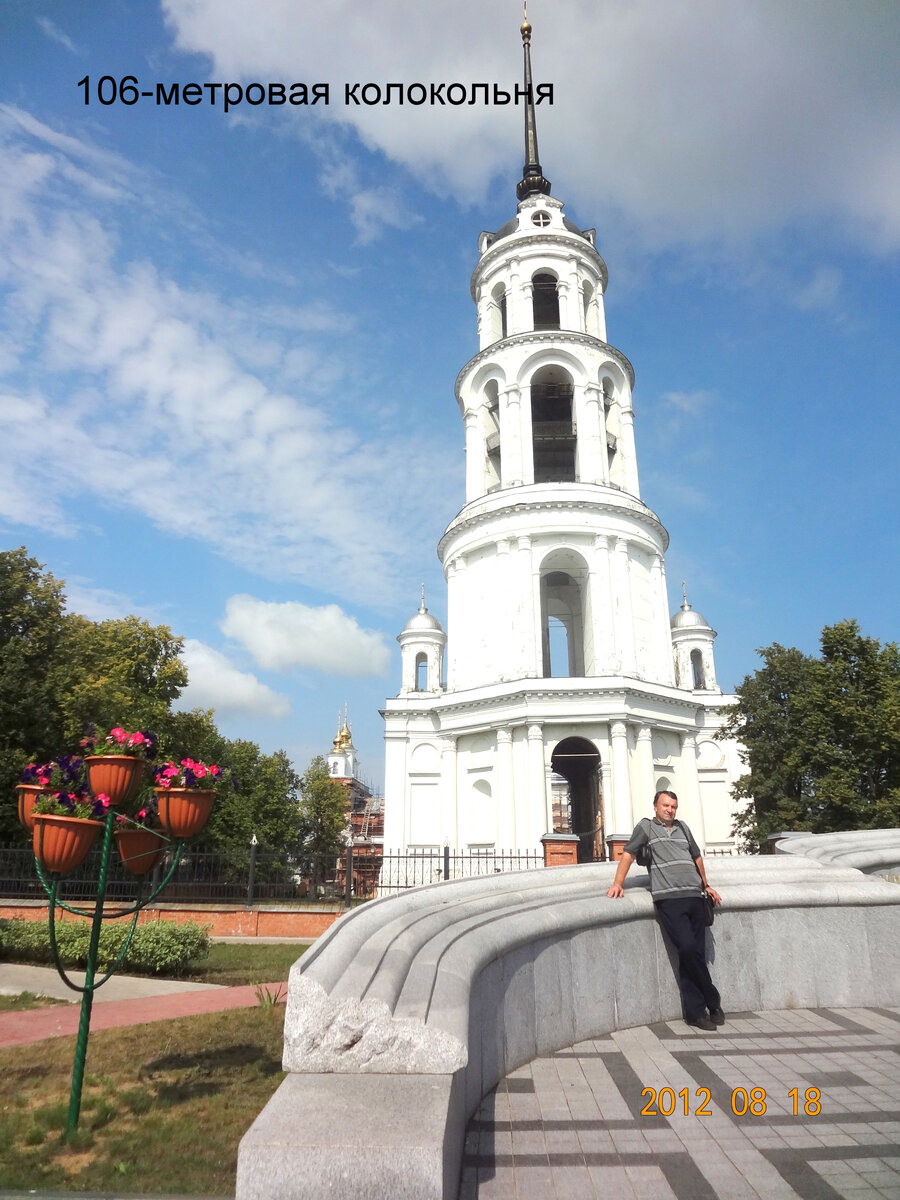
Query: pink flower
103, 799
199, 770
214, 770
136, 739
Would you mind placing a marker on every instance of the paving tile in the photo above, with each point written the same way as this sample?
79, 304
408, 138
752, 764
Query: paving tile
582, 1107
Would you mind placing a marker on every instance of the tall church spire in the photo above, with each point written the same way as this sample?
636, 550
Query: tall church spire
533, 182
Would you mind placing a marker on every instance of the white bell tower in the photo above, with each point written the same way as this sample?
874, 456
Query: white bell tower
560, 655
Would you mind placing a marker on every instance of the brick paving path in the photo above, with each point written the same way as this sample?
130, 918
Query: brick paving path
570, 1125
36, 1024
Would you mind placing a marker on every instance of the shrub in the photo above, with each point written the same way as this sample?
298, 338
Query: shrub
164, 948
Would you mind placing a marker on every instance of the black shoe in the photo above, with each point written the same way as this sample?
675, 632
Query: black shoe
702, 1023
717, 1016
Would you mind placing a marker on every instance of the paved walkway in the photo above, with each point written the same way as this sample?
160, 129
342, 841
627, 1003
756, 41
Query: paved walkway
586, 1123
124, 1000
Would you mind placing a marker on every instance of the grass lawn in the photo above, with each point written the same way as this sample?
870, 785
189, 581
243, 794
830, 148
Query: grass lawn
238, 963
164, 1105
25, 1000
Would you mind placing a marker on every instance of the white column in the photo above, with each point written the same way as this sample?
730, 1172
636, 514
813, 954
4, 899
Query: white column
527, 657
449, 802
510, 437
645, 766
621, 781
515, 322
502, 636
626, 445
666, 669
474, 455
527, 435
593, 460
690, 808
603, 745
506, 799
526, 311
625, 622
564, 297
484, 318
541, 822
396, 791
604, 610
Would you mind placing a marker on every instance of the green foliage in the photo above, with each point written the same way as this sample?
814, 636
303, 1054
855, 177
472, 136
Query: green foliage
323, 811
162, 948
60, 672
31, 621
822, 738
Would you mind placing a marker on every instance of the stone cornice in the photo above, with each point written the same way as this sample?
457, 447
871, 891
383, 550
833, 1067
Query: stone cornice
602, 690
563, 337
511, 245
517, 500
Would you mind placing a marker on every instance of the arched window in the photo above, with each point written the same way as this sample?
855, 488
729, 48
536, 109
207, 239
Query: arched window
552, 426
564, 615
545, 301
493, 473
498, 313
421, 672
697, 670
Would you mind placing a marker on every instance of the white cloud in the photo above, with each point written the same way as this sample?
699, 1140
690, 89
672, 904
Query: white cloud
55, 34
281, 637
698, 119
690, 404
208, 415
821, 291
215, 682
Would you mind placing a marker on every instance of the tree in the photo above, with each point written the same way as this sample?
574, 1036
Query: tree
822, 737
323, 811
263, 803
31, 623
117, 672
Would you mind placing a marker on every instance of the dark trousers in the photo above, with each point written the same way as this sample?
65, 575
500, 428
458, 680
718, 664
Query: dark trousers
684, 922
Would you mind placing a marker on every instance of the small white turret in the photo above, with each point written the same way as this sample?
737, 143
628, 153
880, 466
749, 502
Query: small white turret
692, 644
422, 645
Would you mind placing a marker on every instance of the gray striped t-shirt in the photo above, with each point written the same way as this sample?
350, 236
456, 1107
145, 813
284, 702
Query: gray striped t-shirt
672, 869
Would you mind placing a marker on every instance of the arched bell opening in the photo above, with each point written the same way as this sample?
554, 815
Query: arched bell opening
577, 761
565, 616
552, 425
492, 465
698, 675
545, 301
421, 672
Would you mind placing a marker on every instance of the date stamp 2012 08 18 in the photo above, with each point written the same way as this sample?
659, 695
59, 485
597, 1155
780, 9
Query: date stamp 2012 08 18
664, 1102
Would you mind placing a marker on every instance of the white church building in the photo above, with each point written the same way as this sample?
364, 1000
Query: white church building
561, 673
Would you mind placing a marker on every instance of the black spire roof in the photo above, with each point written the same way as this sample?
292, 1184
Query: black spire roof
533, 182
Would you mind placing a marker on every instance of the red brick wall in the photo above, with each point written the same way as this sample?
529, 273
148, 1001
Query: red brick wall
225, 920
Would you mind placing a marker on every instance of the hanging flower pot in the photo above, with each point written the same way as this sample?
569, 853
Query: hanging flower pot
28, 797
139, 849
62, 843
115, 775
184, 811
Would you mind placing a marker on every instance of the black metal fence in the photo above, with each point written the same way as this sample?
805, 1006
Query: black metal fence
258, 876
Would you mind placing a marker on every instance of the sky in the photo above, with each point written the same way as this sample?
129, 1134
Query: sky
228, 341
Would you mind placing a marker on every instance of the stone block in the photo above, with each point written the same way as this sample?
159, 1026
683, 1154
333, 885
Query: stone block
392, 1137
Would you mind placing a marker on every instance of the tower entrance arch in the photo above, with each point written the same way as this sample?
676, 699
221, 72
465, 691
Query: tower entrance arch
578, 761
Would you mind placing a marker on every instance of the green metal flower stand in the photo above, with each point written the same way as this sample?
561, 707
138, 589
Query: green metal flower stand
50, 882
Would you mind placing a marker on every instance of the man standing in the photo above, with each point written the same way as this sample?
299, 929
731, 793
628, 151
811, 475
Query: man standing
677, 883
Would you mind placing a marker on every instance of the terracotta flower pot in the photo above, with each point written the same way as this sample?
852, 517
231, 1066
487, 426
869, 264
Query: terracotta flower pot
184, 811
28, 797
117, 775
62, 843
139, 849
